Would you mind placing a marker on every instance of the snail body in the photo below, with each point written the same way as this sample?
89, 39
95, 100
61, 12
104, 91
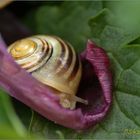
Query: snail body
53, 62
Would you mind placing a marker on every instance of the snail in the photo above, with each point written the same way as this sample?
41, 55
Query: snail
53, 62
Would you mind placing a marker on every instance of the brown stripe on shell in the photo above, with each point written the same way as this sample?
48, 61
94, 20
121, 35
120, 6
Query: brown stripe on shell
42, 41
75, 69
62, 55
18, 58
39, 61
42, 58
67, 65
42, 49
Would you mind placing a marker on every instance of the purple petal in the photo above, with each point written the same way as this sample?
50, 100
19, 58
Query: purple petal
95, 86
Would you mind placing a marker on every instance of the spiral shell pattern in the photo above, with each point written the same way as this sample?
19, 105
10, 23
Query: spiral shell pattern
50, 60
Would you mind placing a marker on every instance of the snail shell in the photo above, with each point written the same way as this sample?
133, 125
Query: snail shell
53, 62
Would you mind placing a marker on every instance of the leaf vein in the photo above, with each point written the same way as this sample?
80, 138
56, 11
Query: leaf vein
124, 92
126, 114
136, 73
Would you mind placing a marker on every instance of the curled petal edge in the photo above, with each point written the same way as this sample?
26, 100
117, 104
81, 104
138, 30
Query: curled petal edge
22, 86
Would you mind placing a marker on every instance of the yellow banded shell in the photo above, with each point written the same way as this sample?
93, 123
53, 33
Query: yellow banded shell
51, 61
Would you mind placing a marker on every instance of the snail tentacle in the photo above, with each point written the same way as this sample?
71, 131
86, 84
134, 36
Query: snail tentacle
53, 62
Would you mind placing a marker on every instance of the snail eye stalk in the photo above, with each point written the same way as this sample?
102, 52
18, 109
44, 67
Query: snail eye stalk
53, 62
95, 84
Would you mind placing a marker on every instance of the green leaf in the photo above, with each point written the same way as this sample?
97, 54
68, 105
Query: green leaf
10, 126
100, 21
126, 14
113, 37
107, 34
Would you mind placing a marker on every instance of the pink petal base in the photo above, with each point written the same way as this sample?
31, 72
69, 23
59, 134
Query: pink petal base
95, 86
